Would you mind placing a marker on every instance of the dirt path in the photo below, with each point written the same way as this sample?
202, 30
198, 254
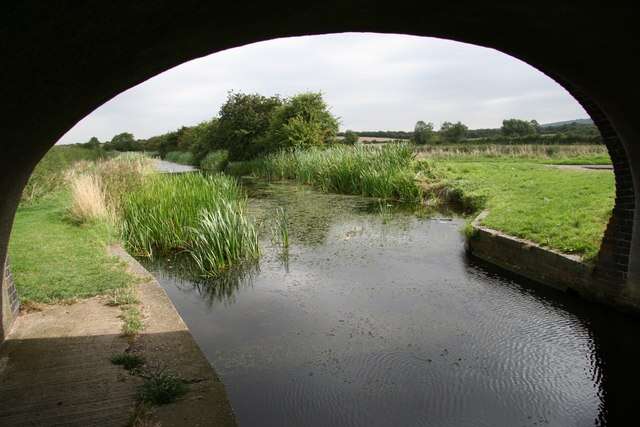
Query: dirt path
55, 367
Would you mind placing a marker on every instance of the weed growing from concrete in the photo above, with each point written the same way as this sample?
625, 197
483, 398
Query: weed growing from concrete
129, 361
132, 321
122, 296
161, 387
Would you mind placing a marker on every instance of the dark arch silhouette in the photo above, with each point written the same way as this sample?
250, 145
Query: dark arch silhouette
61, 60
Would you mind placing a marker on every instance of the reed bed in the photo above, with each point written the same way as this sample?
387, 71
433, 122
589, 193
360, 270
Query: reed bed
383, 172
201, 215
97, 188
223, 237
49, 175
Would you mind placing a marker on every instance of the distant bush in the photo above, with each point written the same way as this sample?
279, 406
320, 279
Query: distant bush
215, 161
182, 157
350, 138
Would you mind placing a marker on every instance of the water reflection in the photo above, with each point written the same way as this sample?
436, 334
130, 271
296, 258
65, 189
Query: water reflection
183, 275
381, 319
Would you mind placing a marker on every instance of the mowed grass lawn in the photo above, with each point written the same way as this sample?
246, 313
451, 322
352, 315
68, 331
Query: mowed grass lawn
566, 210
53, 260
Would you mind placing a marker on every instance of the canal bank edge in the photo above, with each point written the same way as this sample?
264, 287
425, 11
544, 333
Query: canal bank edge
542, 265
166, 340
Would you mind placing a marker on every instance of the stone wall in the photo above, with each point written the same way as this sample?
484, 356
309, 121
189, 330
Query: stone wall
10, 302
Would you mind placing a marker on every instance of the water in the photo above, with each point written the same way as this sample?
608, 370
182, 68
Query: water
376, 317
164, 166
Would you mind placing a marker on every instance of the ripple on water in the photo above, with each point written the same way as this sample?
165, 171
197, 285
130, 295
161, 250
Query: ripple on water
377, 322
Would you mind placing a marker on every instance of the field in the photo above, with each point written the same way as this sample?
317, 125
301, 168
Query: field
548, 154
77, 202
566, 210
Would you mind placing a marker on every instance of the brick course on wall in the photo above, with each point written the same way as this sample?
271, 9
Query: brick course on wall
612, 265
10, 301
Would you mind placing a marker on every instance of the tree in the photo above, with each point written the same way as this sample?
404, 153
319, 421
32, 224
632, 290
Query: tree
168, 142
302, 121
350, 138
122, 142
204, 139
243, 123
423, 133
93, 143
517, 127
453, 132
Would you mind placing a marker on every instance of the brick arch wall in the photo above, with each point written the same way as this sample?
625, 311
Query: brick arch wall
64, 61
613, 258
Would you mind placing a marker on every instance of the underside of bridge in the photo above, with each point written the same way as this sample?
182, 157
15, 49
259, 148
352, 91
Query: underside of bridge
61, 60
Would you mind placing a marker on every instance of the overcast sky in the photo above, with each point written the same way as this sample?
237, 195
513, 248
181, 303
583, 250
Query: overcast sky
370, 81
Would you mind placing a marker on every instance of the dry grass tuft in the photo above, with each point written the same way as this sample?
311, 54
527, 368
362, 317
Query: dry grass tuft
87, 199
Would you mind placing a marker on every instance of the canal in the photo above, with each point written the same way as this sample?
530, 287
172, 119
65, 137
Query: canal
375, 316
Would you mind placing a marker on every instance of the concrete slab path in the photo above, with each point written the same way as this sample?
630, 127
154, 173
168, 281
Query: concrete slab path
55, 367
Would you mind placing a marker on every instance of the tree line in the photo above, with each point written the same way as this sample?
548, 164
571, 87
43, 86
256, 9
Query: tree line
250, 125
247, 125
512, 131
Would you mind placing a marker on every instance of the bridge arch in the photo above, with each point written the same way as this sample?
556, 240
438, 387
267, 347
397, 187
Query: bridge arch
62, 62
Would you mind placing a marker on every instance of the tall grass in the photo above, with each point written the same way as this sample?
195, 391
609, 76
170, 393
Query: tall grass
97, 188
87, 199
280, 228
384, 172
215, 161
49, 175
202, 215
223, 237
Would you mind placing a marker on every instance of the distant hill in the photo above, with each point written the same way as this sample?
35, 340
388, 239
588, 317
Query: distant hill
568, 122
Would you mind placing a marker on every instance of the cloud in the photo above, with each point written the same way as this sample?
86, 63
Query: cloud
371, 81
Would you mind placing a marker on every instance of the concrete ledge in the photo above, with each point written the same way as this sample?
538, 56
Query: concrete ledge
166, 340
548, 267
530, 260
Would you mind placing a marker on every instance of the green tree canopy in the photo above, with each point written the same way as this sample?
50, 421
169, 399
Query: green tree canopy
423, 133
93, 143
517, 127
302, 121
122, 142
243, 123
453, 132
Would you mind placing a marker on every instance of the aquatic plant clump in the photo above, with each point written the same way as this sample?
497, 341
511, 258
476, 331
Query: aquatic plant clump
280, 228
201, 215
384, 172
223, 237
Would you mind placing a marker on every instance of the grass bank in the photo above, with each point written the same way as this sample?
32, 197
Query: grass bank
49, 175
53, 260
560, 209
384, 172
